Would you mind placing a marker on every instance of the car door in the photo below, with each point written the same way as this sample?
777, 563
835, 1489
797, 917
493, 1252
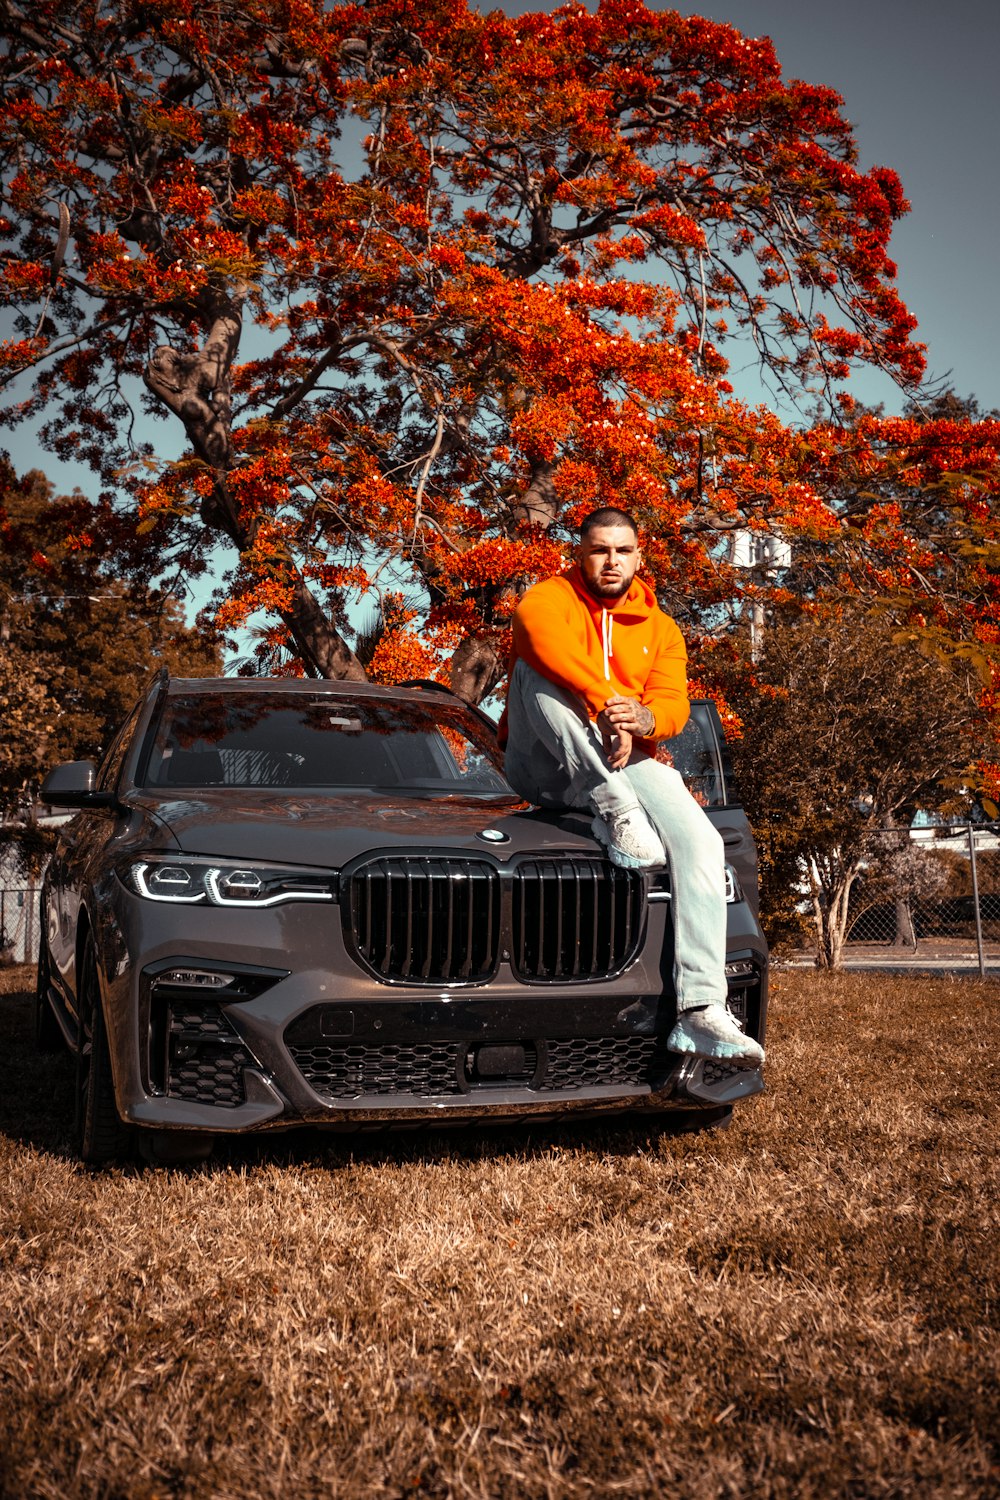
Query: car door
66, 877
700, 753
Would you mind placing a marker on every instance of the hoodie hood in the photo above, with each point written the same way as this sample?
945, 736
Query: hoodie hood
631, 608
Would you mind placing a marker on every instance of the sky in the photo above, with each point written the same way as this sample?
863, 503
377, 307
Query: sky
918, 78
919, 83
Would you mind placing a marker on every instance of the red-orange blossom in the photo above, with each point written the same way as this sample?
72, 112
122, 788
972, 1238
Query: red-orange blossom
424, 284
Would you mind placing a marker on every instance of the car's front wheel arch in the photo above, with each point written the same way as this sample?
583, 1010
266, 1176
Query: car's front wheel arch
100, 1134
48, 1036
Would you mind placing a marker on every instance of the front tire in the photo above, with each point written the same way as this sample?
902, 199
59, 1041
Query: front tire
100, 1135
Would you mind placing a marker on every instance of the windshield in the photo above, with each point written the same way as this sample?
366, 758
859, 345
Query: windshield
294, 740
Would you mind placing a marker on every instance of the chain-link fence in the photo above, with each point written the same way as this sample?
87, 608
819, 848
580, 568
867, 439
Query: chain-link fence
20, 882
920, 897
19, 924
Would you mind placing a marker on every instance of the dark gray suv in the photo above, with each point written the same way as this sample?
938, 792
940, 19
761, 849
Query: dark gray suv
291, 903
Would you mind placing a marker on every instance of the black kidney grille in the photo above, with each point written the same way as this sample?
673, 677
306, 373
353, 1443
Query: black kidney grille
574, 919
441, 920
436, 920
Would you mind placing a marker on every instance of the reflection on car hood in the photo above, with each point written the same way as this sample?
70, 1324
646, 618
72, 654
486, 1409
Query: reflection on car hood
327, 831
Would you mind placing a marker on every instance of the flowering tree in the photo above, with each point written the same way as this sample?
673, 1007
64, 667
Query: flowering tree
916, 501
421, 285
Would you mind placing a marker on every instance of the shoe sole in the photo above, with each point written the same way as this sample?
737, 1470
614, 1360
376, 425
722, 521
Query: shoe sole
748, 1059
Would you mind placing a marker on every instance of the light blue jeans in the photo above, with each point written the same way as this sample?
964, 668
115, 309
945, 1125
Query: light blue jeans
555, 758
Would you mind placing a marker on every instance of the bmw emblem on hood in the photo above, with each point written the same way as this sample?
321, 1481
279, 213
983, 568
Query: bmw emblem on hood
493, 836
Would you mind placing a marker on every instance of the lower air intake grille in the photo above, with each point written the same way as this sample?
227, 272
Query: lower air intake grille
445, 1067
574, 919
583, 1061
426, 1068
205, 1056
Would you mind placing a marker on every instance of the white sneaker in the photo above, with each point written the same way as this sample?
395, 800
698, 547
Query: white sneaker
629, 839
711, 1031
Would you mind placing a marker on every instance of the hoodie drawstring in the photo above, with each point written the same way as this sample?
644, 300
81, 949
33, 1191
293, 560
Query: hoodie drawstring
607, 627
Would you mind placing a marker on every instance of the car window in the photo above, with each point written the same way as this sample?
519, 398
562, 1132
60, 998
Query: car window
294, 740
694, 753
111, 765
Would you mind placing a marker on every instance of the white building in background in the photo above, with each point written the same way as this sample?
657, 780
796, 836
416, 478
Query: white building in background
763, 555
956, 838
761, 550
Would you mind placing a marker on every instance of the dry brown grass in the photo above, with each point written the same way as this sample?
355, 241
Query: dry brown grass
803, 1306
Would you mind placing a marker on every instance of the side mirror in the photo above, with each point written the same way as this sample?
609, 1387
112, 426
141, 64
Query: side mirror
73, 785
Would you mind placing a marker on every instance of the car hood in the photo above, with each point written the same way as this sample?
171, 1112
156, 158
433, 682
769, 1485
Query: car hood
328, 831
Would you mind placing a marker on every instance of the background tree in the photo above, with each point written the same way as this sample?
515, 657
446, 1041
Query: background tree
27, 718
491, 265
77, 644
900, 879
916, 502
848, 730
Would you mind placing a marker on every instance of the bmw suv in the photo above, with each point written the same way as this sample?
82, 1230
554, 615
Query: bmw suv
285, 903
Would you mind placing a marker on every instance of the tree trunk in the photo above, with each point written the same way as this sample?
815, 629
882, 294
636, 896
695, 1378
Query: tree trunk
197, 388
905, 935
831, 901
475, 669
906, 932
317, 641
539, 503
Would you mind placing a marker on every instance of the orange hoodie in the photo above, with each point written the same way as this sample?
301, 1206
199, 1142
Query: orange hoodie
629, 647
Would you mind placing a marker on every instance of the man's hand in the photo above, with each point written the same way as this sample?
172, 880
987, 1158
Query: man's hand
628, 714
619, 722
617, 744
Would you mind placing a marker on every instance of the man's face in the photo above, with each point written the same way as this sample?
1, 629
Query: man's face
608, 557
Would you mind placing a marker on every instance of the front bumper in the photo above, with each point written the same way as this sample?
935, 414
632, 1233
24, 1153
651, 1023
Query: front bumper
302, 1036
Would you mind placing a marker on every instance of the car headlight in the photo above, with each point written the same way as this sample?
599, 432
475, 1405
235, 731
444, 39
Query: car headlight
193, 882
660, 889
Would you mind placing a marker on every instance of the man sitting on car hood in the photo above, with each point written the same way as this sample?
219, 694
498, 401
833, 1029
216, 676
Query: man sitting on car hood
598, 675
